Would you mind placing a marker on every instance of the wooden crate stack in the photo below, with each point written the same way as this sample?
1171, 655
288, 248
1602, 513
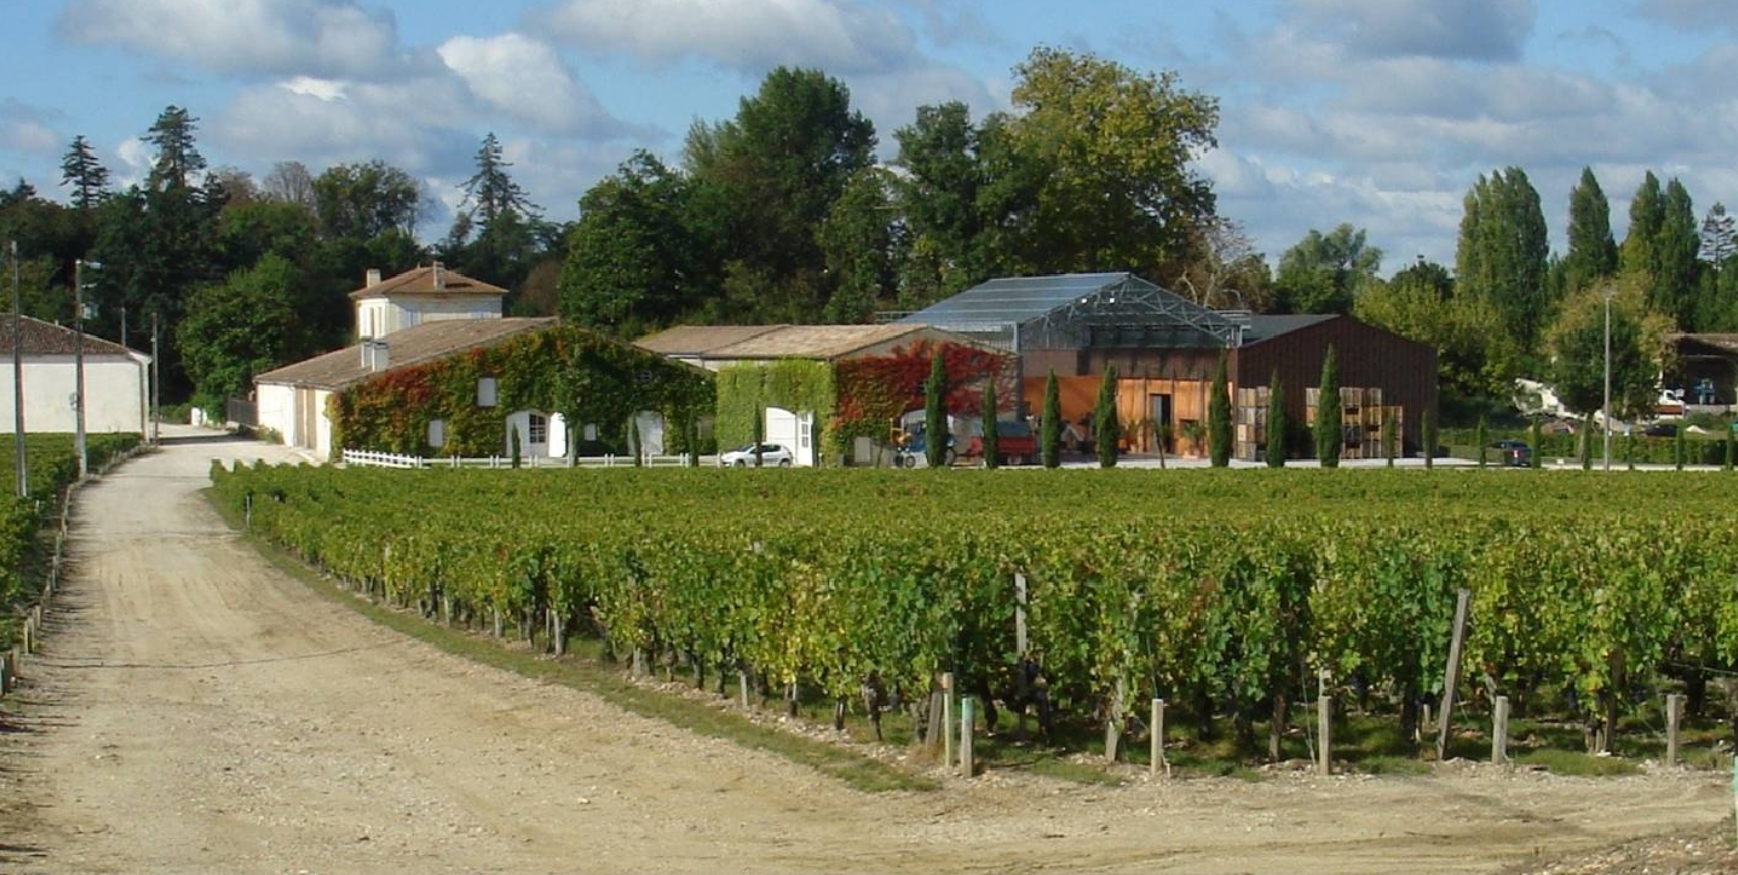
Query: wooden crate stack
1249, 441
1361, 413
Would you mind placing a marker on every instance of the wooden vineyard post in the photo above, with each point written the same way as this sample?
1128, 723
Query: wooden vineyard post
947, 718
1113, 724
1500, 730
29, 644
5, 673
1158, 729
1452, 679
966, 722
1325, 728
1020, 614
1674, 713
742, 688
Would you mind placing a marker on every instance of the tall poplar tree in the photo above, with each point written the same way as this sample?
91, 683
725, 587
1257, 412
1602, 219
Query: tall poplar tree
1501, 254
1675, 264
1592, 252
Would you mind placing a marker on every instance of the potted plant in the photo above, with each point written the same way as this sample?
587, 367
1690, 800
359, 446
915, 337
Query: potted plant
1194, 434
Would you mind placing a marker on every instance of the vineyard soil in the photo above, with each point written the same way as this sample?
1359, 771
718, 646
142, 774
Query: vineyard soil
196, 710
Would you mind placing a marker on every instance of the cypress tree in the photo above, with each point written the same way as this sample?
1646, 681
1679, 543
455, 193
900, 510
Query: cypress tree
1479, 437
1428, 428
1730, 440
992, 436
1537, 439
1219, 417
1050, 441
1388, 436
1275, 422
1327, 425
1107, 429
759, 432
1629, 449
1587, 442
935, 412
1680, 447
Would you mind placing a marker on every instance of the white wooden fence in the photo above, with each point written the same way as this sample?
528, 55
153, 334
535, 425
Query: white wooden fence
372, 459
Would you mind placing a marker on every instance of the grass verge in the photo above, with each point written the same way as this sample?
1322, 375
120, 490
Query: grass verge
854, 769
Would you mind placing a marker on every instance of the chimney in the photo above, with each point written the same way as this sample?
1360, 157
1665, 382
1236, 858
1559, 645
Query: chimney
440, 280
372, 278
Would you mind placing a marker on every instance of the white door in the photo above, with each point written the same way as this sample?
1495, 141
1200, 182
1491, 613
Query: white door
649, 425
557, 436
793, 430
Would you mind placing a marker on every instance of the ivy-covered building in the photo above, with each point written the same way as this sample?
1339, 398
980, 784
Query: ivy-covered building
439, 372
830, 391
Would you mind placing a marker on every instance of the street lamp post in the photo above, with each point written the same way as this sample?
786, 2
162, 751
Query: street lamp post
1606, 410
78, 438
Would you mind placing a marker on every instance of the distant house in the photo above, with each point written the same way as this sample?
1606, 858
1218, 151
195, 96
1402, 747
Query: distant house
422, 295
116, 380
1705, 370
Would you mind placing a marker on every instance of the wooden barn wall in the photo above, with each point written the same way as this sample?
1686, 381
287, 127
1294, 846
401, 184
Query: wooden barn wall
1369, 356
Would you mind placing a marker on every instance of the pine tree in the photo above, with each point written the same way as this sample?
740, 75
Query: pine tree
87, 176
1050, 439
1275, 422
1107, 429
935, 412
1327, 425
176, 157
1219, 417
1479, 437
992, 432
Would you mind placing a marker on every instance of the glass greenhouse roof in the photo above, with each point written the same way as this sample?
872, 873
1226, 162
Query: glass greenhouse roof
1081, 309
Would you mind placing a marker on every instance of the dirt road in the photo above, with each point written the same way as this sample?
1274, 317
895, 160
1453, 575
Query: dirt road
197, 711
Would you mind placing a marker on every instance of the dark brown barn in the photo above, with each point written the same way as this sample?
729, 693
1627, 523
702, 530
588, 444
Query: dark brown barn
1166, 348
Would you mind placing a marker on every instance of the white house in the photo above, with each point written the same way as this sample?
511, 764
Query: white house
419, 295
116, 381
418, 316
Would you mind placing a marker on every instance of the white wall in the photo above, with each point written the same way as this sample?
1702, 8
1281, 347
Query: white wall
115, 395
795, 431
379, 317
277, 410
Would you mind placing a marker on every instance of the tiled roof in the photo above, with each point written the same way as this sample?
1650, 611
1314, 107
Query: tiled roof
47, 338
815, 341
700, 340
409, 346
436, 279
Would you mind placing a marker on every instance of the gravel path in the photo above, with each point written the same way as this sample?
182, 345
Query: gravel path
197, 711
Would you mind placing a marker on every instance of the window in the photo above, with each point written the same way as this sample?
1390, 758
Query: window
486, 392
591, 431
539, 429
437, 433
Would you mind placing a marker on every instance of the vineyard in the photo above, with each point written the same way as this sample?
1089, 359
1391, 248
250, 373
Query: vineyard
51, 465
1230, 593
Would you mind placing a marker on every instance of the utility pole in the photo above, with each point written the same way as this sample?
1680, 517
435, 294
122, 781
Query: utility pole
156, 379
21, 470
78, 438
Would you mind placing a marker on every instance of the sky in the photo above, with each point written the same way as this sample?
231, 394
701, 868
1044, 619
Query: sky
1377, 113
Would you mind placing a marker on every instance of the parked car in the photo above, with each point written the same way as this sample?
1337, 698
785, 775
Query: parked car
1513, 454
1015, 444
914, 448
770, 455
1661, 429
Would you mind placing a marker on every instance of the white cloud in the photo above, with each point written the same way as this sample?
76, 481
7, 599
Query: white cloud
839, 36
330, 38
527, 80
1483, 30
27, 130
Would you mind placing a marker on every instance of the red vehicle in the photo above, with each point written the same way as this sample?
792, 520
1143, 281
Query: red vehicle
1015, 444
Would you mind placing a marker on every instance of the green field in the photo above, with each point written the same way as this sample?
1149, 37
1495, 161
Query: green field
1227, 593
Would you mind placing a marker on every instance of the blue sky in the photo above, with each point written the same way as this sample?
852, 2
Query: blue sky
1380, 113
